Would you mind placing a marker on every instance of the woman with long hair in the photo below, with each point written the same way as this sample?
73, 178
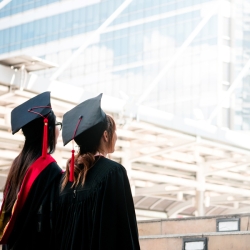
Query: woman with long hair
26, 210
94, 208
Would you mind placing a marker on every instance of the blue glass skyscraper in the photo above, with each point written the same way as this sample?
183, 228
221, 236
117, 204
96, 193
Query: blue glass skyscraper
189, 51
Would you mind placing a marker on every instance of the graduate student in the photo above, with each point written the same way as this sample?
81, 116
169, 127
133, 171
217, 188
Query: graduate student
95, 209
25, 217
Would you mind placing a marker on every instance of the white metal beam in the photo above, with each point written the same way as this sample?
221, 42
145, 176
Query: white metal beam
230, 159
226, 147
227, 168
233, 176
4, 3
153, 144
170, 164
174, 211
44, 11
164, 170
238, 210
156, 189
156, 203
177, 55
150, 214
160, 130
211, 210
6, 96
154, 18
188, 183
164, 151
141, 200
232, 87
91, 38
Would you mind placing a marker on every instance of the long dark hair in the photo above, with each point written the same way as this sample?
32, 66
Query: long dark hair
88, 144
32, 150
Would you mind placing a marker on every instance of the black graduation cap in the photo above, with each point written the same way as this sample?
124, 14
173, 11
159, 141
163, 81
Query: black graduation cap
79, 121
81, 118
30, 110
36, 107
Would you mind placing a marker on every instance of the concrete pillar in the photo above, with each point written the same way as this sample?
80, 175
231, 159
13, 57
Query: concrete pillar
200, 190
200, 203
218, 119
7, 118
23, 78
128, 165
126, 161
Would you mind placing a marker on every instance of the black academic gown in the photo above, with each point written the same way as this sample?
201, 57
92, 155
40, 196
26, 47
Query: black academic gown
100, 215
32, 228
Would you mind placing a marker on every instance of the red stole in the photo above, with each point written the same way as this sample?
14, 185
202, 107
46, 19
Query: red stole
7, 224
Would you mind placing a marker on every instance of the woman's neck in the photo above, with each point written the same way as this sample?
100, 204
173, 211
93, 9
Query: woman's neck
98, 153
103, 149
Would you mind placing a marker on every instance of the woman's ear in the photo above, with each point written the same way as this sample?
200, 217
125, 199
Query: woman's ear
105, 136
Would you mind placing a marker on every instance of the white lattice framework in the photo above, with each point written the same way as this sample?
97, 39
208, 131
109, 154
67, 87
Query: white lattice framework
170, 161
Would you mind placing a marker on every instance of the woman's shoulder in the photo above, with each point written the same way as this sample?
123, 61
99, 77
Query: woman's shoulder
52, 169
55, 167
109, 164
104, 167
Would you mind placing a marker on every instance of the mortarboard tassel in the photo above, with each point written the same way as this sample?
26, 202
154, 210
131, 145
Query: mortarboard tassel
72, 164
45, 129
45, 138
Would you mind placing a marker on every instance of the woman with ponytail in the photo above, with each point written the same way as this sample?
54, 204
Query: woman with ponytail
94, 208
26, 212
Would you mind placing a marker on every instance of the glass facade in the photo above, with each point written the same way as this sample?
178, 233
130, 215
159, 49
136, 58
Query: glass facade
55, 27
241, 55
17, 6
129, 55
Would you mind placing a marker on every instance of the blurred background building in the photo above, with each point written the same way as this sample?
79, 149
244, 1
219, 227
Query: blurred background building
144, 39
187, 59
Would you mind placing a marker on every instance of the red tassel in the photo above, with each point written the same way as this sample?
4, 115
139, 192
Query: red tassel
45, 138
72, 164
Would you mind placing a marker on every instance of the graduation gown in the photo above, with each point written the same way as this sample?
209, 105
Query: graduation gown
29, 226
100, 214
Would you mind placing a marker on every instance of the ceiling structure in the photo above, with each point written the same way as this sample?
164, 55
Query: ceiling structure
30, 63
177, 167
163, 165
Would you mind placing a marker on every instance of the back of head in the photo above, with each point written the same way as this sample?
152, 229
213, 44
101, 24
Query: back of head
33, 133
89, 143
